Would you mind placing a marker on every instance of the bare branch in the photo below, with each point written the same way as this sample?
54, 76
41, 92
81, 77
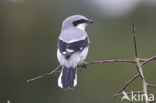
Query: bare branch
89, 63
141, 75
45, 74
110, 61
138, 64
148, 60
139, 68
151, 85
126, 84
144, 83
135, 47
93, 62
134, 40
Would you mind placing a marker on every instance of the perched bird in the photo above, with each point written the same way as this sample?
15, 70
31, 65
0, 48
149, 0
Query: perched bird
72, 49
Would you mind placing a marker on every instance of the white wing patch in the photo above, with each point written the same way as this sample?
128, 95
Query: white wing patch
81, 48
69, 51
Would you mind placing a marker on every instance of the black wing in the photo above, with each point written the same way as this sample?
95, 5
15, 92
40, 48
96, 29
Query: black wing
74, 46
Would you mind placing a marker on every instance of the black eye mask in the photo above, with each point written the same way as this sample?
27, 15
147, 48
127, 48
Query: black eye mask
75, 23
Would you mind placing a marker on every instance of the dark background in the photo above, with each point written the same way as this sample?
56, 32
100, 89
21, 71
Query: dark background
29, 30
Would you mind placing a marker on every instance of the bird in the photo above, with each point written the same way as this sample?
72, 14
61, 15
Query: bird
73, 44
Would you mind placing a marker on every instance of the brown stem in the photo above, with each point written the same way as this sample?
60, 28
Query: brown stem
95, 62
110, 61
148, 60
151, 85
45, 74
134, 40
126, 84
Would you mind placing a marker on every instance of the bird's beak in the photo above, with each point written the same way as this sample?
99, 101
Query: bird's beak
89, 21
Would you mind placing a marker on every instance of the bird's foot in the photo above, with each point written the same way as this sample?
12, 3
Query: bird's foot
84, 65
56, 74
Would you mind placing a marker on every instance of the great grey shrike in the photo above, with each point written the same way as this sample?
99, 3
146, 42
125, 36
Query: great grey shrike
73, 44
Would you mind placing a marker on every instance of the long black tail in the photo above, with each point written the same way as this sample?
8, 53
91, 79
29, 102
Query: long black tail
68, 78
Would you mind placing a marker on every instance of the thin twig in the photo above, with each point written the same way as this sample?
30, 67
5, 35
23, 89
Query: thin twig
110, 61
141, 75
148, 60
126, 84
151, 85
129, 93
135, 47
134, 40
45, 74
139, 67
92, 62
89, 63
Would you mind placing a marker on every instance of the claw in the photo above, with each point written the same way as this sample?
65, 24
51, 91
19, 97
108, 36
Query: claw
84, 65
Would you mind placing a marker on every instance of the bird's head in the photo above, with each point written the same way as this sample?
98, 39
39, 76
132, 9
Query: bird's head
77, 21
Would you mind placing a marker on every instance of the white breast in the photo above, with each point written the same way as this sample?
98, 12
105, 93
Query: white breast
81, 26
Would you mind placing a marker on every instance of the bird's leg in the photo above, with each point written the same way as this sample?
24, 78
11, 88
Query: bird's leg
55, 72
83, 64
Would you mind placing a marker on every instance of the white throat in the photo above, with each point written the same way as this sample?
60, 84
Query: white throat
81, 26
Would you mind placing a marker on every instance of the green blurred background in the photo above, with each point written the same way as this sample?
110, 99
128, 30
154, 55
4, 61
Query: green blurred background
29, 30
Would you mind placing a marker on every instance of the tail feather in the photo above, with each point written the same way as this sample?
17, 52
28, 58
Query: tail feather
67, 78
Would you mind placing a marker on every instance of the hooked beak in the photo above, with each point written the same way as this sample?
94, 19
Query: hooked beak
89, 21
